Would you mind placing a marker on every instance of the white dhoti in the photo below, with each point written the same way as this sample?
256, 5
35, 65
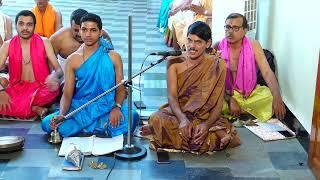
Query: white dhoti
62, 61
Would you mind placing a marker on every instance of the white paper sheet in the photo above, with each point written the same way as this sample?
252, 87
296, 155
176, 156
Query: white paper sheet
92, 145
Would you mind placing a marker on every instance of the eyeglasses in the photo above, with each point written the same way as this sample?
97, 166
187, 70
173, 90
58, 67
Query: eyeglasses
233, 28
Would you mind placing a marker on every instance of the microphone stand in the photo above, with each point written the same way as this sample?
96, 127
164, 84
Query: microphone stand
130, 151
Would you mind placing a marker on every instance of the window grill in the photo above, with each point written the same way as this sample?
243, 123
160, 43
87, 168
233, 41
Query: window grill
250, 12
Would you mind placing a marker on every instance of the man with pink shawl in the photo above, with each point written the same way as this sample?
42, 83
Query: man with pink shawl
31, 86
242, 56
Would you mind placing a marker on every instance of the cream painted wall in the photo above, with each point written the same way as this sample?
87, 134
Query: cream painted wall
220, 10
290, 29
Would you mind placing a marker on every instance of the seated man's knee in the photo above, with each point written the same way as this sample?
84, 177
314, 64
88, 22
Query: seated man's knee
68, 128
155, 118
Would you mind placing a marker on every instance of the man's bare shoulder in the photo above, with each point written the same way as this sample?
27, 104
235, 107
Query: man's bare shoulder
73, 58
57, 11
115, 56
75, 55
46, 41
61, 34
114, 53
255, 45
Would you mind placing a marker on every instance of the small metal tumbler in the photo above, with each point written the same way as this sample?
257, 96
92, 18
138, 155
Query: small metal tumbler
55, 137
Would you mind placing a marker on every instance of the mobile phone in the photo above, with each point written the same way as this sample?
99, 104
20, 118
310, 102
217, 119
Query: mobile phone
286, 133
163, 157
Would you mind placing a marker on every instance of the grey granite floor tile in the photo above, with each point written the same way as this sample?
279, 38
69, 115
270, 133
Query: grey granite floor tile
56, 171
70, 178
255, 167
217, 159
35, 158
297, 174
36, 129
289, 160
13, 131
40, 173
118, 174
16, 124
3, 164
209, 173
284, 146
37, 141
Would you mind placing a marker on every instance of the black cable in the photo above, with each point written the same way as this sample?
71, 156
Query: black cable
140, 93
114, 163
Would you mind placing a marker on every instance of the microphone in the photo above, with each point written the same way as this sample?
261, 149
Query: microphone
167, 53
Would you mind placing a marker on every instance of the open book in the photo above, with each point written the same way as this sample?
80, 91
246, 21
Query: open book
92, 145
271, 130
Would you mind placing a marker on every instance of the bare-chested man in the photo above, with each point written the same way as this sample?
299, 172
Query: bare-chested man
31, 86
242, 56
67, 40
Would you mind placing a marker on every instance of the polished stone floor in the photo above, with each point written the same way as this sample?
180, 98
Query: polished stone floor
254, 159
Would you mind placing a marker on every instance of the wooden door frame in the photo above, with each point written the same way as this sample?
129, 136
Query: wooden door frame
314, 150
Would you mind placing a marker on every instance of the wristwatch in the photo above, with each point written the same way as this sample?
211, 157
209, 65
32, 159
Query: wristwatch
116, 105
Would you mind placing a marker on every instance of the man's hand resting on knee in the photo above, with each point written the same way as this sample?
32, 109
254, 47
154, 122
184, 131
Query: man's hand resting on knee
200, 133
115, 117
52, 83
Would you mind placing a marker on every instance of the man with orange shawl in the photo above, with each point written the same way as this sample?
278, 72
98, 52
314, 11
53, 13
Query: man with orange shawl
31, 86
191, 120
49, 19
242, 56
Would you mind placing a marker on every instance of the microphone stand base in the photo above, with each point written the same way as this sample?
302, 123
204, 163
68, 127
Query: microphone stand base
131, 152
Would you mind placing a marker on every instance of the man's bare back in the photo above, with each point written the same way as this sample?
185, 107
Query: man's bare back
63, 42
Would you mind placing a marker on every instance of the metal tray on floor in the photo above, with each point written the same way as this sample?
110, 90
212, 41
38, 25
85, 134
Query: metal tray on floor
11, 143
